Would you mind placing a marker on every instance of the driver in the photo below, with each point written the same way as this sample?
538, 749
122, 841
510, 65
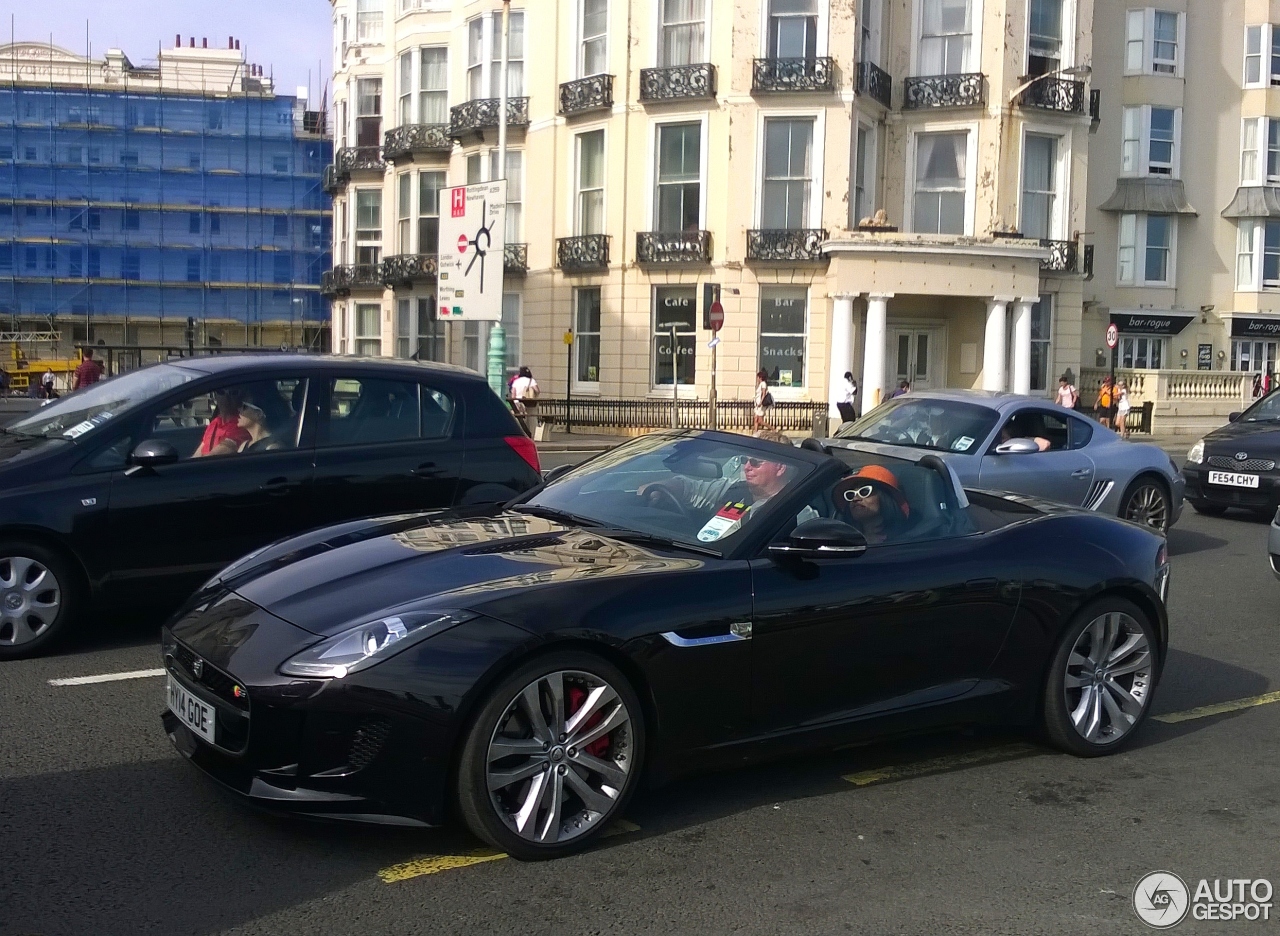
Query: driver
1013, 430
762, 478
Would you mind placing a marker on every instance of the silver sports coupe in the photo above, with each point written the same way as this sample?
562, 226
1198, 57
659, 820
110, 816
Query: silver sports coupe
1008, 442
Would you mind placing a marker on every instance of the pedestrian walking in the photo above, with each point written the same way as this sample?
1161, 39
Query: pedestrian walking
524, 397
848, 397
1102, 409
46, 384
1122, 409
763, 399
4, 382
1068, 395
87, 372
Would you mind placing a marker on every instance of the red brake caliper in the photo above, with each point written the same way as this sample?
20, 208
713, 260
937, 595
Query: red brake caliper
599, 746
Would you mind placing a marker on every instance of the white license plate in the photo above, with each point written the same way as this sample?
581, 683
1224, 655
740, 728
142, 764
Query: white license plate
1233, 479
193, 713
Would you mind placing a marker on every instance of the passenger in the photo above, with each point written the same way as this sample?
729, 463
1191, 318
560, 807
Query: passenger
1013, 430
254, 421
872, 501
223, 435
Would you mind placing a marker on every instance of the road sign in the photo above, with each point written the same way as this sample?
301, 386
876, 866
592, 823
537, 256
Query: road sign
1113, 335
568, 337
469, 278
715, 318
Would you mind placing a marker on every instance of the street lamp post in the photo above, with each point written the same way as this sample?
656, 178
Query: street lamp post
497, 334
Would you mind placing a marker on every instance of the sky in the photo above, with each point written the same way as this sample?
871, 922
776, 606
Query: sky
292, 36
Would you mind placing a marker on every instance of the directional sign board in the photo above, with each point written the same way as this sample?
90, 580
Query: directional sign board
472, 241
1113, 335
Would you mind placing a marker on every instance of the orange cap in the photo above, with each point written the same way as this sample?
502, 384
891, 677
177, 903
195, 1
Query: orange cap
887, 477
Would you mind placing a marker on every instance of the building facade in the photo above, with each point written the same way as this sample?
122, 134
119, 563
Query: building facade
133, 200
889, 187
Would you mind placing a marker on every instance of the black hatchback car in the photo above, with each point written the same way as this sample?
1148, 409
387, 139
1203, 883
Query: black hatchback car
141, 487
1237, 464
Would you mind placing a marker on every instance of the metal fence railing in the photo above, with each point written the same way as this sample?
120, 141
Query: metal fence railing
785, 415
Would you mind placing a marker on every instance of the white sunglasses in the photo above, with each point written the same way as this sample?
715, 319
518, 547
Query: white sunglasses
859, 493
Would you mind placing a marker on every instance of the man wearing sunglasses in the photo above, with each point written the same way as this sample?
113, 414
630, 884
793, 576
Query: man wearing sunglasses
762, 478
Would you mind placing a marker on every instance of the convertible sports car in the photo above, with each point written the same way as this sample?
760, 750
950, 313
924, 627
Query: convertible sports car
686, 600
1006, 442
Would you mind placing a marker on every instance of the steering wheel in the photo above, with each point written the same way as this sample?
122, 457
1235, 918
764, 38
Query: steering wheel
665, 501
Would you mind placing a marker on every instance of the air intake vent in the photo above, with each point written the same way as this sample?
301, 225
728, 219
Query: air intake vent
1097, 494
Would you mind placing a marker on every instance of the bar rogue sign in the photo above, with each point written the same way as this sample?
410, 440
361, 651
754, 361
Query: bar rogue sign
1242, 327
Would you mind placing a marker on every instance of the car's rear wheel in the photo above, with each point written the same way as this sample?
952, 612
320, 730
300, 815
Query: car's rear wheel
1208, 509
552, 757
37, 598
1147, 502
1101, 679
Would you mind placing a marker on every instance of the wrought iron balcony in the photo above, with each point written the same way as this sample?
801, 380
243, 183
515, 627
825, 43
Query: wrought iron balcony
1064, 256
586, 95
515, 258
402, 142
673, 246
678, 82
351, 159
786, 245
927, 91
793, 74
402, 270
587, 253
874, 82
330, 181
483, 114
343, 278
1055, 94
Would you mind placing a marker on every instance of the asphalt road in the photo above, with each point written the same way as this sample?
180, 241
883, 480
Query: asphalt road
104, 829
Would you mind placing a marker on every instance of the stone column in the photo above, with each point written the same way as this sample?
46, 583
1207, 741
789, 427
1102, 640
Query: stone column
873, 351
994, 351
841, 352
1022, 345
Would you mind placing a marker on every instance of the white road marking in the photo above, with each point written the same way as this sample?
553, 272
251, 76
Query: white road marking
106, 677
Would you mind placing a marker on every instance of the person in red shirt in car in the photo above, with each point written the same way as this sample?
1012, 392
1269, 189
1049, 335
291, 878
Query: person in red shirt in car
223, 435
88, 372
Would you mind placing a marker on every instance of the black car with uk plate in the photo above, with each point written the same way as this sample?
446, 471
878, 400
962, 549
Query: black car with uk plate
1236, 465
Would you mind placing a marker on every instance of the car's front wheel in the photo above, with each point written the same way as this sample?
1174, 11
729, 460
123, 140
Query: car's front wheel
37, 598
552, 756
1101, 679
1147, 502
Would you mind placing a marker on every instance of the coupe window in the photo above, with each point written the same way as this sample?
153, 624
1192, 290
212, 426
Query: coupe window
1265, 410
921, 422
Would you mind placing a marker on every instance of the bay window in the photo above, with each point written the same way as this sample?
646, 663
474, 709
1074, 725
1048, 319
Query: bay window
369, 20
429, 186
404, 108
941, 183
1039, 186
368, 330
1257, 255
368, 226
946, 37
433, 85
1151, 141
1147, 244
368, 112
1261, 56
515, 191
1153, 42
404, 213
1256, 166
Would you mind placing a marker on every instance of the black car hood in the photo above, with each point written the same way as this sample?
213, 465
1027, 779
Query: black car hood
447, 562
1256, 438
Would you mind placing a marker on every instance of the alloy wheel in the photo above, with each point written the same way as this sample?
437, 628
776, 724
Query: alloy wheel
1109, 678
1149, 506
560, 757
30, 599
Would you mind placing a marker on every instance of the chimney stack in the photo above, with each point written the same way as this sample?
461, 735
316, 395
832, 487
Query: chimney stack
231, 43
237, 45
204, 42
192, 42
177, 41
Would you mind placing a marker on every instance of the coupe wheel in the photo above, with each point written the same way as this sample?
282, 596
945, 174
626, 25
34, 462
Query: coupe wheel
552, 757
1208, 509
1147, 502
35, 599
1101, 679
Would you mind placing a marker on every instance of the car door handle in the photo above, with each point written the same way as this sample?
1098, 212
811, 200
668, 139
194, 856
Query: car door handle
1082, 472
277, 487
739, 630
426, 470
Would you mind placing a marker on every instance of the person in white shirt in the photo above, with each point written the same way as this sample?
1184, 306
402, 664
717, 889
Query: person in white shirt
1067, 393
1122, 409
524, 397
848, 397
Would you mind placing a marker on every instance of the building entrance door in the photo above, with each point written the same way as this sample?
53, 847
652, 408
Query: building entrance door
915, 355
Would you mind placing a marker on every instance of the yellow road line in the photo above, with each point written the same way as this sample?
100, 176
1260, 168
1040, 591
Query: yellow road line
1219, 708
434, 864
942, 764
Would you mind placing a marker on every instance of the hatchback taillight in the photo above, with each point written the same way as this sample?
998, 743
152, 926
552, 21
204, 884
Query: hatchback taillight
525, 448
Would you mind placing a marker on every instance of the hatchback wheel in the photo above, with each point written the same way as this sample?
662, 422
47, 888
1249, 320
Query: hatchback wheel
1101, 679
36, 598
552, 757
1147, 502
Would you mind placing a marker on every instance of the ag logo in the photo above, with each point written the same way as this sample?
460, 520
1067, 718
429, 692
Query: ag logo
1161, 899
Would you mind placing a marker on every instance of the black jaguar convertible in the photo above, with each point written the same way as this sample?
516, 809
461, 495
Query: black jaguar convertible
687, 600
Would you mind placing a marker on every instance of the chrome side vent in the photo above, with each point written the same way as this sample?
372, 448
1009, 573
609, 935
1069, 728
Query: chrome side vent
1097, 494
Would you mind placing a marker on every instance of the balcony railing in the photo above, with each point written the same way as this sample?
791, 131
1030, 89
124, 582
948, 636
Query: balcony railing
1064, 256
515, 258
351, 159
587, 253
786, 245
678, 82
348, 276
785, 415
927, 91
875, 83
483, 114
402, 270
1055, 94
586, 95
673, 246
769, 75
403, 142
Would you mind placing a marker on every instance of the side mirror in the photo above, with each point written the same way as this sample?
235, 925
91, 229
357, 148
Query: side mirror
1232, 417
153, 453
1018, 447
821, 539
559, 471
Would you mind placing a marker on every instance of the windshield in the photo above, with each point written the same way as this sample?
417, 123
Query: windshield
1265, 410
696, 490
85, 410
921, 422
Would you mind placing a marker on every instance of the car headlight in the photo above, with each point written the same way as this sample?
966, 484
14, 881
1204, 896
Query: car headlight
1196, 455
362, 646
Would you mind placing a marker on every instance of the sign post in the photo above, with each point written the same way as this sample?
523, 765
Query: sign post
1113, 338
568, 381
715, 321
675, 380
472, 242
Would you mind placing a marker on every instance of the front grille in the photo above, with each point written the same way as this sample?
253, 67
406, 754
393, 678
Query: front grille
1249, 464
211, 678
367, 742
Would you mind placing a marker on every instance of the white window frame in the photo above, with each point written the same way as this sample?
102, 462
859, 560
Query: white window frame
971, 176
588, 386
973, 61
369, 22
357, 339
1144, 165
817, 145
357, 241
707, 19
575, 188
1259, 154
867, 173
652, 180
1061, 177
406, 326
490, 163
419, 91
405, 90
491, 55
1138, 256
406, 191
580, 39
869, 43
418, 214
1067, 56
1146, 17
821, 38
1151, 341
1251, 249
